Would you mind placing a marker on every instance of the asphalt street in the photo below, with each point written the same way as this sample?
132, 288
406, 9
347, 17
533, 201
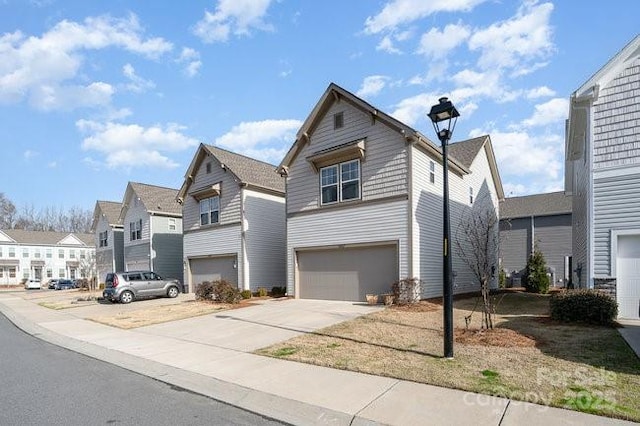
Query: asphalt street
44, 384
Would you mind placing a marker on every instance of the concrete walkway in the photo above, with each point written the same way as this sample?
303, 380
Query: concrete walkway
205, 355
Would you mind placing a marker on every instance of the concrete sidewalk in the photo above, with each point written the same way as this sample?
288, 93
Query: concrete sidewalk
292, 392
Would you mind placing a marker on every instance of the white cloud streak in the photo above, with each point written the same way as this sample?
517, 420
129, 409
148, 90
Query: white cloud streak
372, 85
233, 17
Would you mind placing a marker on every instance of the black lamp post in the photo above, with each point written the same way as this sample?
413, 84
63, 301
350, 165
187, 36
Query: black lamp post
444, 116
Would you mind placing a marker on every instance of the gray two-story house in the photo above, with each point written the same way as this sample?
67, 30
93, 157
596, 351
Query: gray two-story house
234, 220
109, 238
152, 221
542, 222
364, 201
603, 175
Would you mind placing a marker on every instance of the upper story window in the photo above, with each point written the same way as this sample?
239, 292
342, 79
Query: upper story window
432, 172
36, 253
61, 254
25, 252
72, 254
172, 224
83, 254
49, 253
470, 195
338, 120
210, 210
135, 230
0, 251
208, 167
340, 182
103, 239
12, 252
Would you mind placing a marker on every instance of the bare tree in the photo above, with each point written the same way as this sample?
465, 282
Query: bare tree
7, 212
477, 242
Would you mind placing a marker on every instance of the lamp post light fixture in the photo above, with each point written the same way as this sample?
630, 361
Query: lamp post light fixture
444, 116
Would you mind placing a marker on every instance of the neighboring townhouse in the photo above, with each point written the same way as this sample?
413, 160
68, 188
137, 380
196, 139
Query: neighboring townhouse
234, 220
603, 175
152, 221
364, 202
44, 255
541, 221
109, 238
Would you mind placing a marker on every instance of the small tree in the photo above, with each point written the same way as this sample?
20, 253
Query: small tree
536, 279
477, 243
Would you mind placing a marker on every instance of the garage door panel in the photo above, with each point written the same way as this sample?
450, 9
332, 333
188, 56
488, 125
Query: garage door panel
347, 274
628, 279
212, 269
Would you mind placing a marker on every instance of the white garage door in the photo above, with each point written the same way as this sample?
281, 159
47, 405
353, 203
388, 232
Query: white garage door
347, 273
140, 265
628, 276
213, 269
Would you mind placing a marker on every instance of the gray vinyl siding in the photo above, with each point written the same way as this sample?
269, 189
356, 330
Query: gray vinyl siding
104, 263
365, 224
167, 247
229, 195
616, 207
133, 214
214, 241
118, 249
383, 169
616, 131
136, 253
515, 243
553, 237
265, 235
580, 219
427, 219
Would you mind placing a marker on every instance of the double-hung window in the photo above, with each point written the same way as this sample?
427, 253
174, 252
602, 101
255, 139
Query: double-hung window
210, 210
135, 230
340, 182
432, 172
103, 239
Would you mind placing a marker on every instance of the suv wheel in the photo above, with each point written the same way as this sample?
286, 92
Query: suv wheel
172, 292
126, 297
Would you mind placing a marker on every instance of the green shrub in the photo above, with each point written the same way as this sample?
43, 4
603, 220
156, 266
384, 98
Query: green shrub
225, 292
589, 306
204, 291
536, 279
246, 294
262, 292
502, 278
278, 291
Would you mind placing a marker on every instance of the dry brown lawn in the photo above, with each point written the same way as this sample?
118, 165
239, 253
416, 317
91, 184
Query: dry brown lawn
526, 357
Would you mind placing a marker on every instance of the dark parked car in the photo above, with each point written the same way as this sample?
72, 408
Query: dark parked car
52, 283
64, 284
124, 287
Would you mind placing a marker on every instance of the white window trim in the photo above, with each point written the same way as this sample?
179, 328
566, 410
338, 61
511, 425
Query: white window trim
135, 230
432, 172
340, 182
209, 211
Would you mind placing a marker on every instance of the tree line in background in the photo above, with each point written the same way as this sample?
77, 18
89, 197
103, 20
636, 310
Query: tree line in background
29, 218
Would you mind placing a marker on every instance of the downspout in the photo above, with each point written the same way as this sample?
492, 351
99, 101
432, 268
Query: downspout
533, 236
243, 242
151, 257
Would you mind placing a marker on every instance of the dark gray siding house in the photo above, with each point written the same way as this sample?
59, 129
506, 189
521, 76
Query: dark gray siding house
542, 221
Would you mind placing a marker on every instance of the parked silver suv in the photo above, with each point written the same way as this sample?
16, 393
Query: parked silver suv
124, 287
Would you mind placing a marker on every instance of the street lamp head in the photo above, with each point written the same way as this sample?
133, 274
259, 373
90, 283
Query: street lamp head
442, 116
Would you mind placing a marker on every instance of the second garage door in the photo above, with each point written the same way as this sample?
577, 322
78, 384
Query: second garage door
348, 273
213, 269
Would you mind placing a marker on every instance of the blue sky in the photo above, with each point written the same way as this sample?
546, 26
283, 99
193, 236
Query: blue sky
96, 94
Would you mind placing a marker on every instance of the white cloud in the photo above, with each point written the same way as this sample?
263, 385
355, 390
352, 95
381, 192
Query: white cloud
29, 154
553, 111
437, 44
415, 108
136, 83
372, 85
43, 69
398, 12
130, 145
233, 17
266, 140
386, 45
540, 92
515, 42
191, 58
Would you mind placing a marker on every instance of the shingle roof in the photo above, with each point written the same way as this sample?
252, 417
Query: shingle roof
249, 170
157, 198
535, 205
466, 151
46, 237
111, 210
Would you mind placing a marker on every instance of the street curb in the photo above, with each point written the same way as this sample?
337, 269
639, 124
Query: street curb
261, 403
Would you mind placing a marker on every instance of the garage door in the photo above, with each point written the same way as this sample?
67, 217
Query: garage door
213, 269
348, 273
628, 276
140, 265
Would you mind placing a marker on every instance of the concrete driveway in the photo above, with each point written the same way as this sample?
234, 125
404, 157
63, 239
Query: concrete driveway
261, 325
